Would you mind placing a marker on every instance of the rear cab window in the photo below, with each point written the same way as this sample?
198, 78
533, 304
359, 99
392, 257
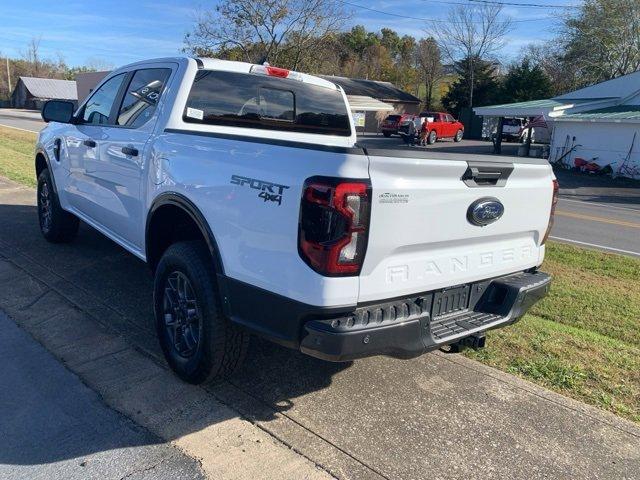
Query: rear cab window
253, 101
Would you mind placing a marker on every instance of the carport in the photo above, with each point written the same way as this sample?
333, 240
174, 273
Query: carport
534, 108
365, 111
600, 117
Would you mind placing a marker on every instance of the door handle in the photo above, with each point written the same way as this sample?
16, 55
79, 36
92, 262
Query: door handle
90, 143
487, 174
57, 145
130, 151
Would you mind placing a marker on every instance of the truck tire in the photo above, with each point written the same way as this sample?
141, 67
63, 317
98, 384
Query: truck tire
432, 137
56, 225
198, 342
458, 136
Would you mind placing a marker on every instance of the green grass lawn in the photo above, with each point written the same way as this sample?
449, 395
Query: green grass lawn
583, 340
16, 155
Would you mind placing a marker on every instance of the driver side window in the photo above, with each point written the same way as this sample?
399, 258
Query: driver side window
98, 108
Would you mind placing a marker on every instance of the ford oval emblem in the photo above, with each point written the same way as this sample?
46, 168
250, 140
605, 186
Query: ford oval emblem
484, 211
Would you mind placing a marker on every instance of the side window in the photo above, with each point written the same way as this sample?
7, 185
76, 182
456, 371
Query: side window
96, 111
449, 118
142, 96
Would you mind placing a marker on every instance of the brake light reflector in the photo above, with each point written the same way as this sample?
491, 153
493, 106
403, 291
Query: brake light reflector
554, 202
334, 224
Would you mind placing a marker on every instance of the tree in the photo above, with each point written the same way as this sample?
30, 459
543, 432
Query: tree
602, 40
525, 81
283, 32
33, 64
486, 86
472, 32
32, 55
429, 66
548, 56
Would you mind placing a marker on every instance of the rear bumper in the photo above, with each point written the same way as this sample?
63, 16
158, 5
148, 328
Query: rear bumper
411, 326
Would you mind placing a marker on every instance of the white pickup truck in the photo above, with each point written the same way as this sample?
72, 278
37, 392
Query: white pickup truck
245, 190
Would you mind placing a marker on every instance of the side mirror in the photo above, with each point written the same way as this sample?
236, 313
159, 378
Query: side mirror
58, 111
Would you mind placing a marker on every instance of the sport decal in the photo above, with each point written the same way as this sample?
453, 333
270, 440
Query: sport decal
269, 191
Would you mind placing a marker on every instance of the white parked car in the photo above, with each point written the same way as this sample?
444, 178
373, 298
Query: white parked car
511, 128
244, 189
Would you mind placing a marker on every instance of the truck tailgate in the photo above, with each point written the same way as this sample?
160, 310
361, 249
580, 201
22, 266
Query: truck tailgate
421, 237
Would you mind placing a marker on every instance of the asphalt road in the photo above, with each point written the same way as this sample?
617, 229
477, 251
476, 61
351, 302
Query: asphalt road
593, 212
23, 119
53, 426
436, 416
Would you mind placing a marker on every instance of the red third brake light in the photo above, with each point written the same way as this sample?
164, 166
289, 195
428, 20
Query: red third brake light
277, 72
554, 202
334, 224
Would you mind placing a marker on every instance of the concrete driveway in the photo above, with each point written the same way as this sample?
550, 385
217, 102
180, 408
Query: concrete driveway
438, 416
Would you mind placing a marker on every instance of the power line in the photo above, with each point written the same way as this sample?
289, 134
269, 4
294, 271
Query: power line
431, 19
528, 5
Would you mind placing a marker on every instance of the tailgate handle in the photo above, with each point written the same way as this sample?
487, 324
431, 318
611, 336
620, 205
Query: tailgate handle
486, 174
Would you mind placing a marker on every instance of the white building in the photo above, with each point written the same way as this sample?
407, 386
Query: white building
599, 123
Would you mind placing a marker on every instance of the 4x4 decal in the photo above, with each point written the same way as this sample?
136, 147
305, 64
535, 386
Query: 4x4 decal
269, 191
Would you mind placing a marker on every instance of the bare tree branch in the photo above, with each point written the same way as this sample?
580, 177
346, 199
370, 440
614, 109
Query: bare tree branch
283, 31
473, 32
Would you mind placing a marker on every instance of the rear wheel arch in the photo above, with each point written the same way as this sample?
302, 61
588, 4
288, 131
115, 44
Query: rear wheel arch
173, 218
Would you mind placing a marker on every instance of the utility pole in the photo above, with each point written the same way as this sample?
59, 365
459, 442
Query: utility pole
8, 76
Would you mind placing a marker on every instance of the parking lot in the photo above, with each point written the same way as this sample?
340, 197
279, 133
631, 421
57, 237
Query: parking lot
437, 416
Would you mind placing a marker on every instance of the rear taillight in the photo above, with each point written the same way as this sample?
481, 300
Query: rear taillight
554, 202
334, 225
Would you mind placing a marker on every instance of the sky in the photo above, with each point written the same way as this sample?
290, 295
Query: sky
110, 33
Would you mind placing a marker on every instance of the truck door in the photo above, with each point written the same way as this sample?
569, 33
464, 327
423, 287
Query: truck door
445, 128
82, 192
450, 126
121, 169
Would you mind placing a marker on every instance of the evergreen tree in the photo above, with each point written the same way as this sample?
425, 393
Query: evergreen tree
486, 89
525, 81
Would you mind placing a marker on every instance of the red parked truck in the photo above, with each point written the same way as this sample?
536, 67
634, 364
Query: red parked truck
439, 125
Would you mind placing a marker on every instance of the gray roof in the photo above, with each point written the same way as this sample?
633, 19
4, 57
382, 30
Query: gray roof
48, 88
383, 91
